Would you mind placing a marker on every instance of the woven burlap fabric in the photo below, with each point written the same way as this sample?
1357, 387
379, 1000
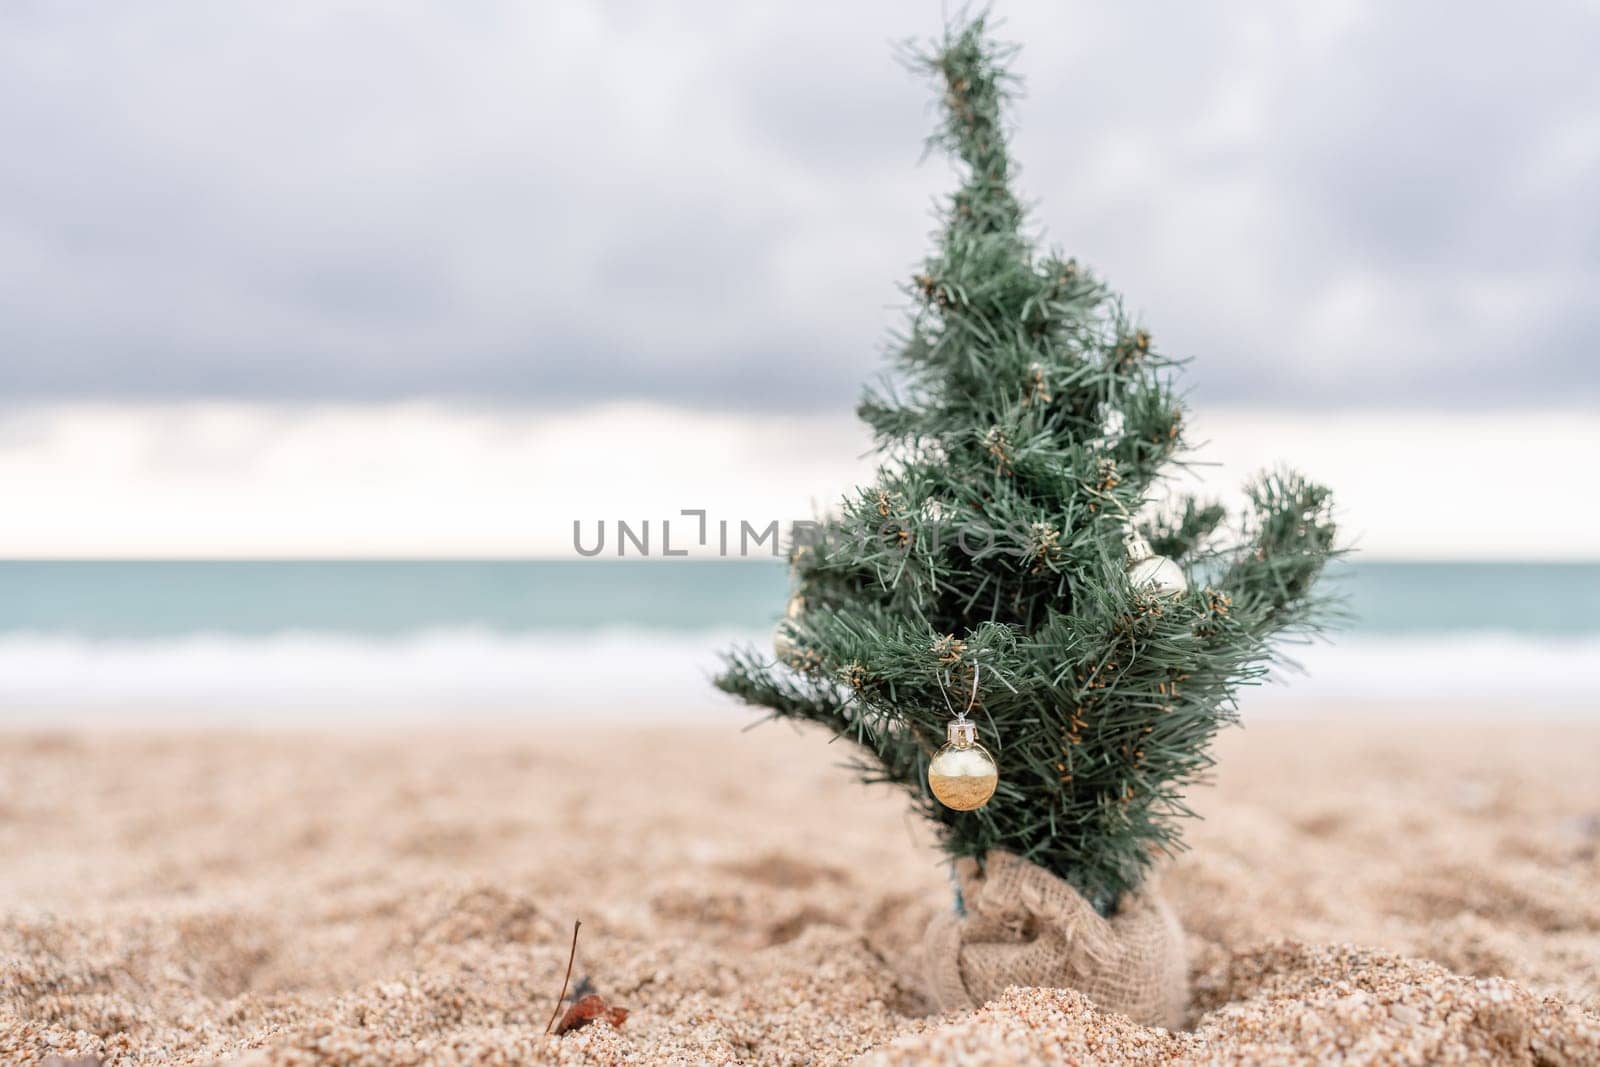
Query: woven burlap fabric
1026, 927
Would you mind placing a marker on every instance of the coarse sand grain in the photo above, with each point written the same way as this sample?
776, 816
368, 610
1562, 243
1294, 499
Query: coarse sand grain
1371, 889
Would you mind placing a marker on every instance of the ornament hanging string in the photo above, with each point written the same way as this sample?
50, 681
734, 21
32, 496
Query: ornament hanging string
972, 701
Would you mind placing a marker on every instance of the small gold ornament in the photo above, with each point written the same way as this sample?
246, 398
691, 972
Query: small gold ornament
784, 634
1146, 570
962, 774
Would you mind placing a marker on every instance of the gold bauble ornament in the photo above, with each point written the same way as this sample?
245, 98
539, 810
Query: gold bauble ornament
1158, 574
962, 774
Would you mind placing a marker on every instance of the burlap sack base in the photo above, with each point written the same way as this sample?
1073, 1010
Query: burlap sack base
1026, 927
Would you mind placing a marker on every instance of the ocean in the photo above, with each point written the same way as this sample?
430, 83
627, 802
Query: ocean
292, 642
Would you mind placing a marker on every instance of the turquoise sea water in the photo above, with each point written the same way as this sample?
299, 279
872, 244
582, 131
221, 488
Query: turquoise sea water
146, 600
280, 642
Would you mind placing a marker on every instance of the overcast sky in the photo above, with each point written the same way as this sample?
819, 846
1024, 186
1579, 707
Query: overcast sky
1325, 204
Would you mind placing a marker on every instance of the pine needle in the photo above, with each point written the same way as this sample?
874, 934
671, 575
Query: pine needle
572, 955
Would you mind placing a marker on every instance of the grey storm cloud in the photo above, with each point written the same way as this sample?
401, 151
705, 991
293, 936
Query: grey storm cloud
1353, 204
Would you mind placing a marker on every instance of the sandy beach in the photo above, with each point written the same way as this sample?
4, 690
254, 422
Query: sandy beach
1385, 889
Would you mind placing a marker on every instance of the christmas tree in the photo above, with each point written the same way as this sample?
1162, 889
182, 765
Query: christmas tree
1016, 555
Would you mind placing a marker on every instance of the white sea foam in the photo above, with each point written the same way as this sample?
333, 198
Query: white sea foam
1524, 670
300, 678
